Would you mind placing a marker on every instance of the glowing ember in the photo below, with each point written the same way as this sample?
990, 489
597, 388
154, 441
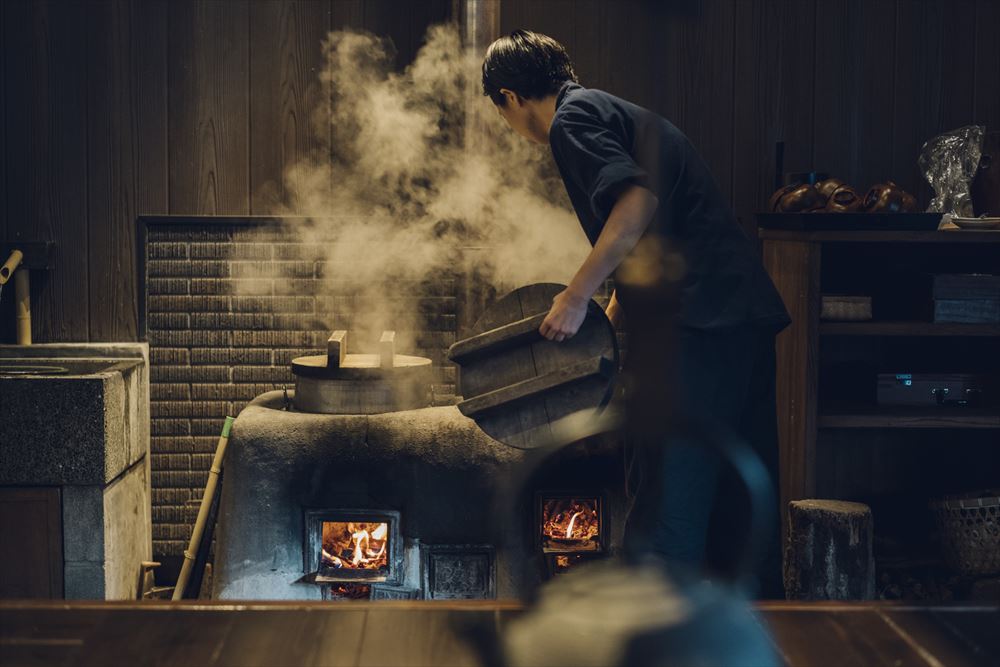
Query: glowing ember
570, 524
563, 562
354, 545
345, 591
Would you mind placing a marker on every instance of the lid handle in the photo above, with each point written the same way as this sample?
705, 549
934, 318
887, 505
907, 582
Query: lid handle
387, 349
336, 349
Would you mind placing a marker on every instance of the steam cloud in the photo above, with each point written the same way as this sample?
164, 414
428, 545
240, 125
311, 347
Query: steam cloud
418, 176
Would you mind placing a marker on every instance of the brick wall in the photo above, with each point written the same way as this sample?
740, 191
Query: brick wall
227, 305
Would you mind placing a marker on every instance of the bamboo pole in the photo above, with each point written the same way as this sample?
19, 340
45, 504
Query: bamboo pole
22, 295
8, 268
206, 504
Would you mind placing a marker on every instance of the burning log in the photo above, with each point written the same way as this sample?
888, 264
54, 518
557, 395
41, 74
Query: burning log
355, 545
570, 524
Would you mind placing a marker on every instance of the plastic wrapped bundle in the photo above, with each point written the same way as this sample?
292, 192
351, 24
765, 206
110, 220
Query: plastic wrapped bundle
949, 162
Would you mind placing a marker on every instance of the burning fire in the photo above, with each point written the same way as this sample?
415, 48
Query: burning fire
355, 545
570, 524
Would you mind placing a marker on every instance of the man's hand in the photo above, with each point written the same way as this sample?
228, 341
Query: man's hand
565, 317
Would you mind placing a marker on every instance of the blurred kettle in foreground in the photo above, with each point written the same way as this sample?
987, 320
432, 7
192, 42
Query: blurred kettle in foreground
605, 614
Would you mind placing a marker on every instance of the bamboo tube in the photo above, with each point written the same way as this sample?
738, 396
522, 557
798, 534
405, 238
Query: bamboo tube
206, 504
22, 298
10, 265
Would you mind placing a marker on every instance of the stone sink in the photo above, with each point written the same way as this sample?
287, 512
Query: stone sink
75, 416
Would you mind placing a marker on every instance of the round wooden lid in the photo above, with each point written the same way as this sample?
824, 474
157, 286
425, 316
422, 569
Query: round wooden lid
515, 383
357, 367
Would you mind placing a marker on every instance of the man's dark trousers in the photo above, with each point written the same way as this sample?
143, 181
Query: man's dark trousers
690, 508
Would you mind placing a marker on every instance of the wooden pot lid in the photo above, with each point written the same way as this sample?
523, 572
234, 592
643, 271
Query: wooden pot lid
338, 383
337, 364
515, 383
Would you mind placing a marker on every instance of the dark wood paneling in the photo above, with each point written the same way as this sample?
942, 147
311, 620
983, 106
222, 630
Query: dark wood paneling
149, 72
285, 61
693, 86
347, 14
404, 22
6, 305
986, 109
46, 79
31, 558
774, 69
933, 80
632, 68
736, 75
3, 134
112, 160
855, 42
208, 112
591, 56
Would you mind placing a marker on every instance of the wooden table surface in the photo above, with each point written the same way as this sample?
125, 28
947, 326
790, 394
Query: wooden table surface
422, 633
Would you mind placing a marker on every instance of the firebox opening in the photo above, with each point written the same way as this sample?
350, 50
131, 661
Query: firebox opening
354, 549
570, 524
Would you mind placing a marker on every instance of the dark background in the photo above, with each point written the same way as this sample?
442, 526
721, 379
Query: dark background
112, 109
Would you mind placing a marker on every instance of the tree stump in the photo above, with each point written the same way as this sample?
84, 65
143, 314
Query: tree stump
829, 551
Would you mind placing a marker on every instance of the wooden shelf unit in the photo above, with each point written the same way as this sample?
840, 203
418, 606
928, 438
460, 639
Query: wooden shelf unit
903, 328
794, 259
910, 418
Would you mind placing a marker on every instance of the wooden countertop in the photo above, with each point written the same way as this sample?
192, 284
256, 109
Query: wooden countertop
882, 236
421, 633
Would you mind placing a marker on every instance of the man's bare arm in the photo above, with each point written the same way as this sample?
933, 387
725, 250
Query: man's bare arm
625, 226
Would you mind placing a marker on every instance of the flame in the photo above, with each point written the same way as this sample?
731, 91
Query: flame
355, 545
570, 524
569, 528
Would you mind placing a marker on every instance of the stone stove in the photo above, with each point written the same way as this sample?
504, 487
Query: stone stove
435, 489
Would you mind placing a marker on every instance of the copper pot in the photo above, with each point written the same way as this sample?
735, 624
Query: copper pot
796, 199
829, 186
889, 198
844, 199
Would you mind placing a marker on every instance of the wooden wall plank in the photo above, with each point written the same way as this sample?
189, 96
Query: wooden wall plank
31, 553
347, 14
630, 53
6, 305
855, 42
589, 43
208, 112
149, 77
46, 73
774, 71
933, 81
285, 61
3, 126
404, 23
111, 171
693, 85
986, 89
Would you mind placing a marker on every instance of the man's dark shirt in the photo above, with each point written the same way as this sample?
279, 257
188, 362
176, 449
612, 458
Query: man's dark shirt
602, 143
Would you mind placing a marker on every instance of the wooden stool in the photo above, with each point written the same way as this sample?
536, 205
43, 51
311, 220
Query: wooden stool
829, 551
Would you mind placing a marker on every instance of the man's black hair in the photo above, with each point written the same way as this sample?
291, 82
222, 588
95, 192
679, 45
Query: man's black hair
531, 64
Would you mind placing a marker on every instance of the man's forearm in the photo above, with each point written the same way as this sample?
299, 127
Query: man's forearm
625, 226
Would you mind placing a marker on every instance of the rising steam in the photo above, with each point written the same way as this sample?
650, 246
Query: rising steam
418, 176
